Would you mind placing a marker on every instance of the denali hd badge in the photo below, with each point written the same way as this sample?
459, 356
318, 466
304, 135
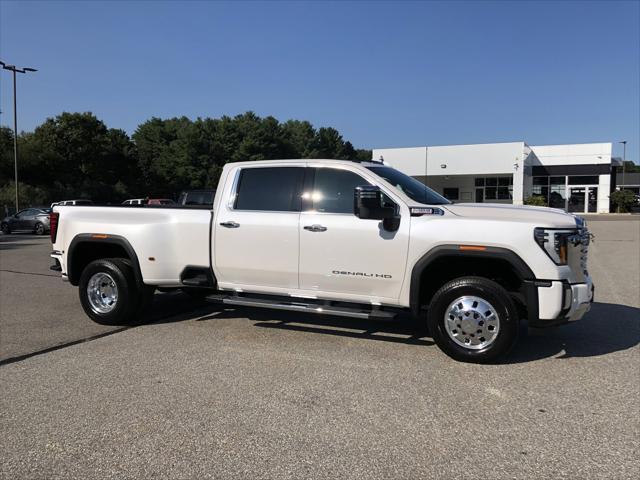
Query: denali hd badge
419, 211
361, 274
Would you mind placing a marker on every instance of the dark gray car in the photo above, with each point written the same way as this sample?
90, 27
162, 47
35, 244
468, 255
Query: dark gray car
34, 220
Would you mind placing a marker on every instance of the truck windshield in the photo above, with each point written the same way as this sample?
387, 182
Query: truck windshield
411, 187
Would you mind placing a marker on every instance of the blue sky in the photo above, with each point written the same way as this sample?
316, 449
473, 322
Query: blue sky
383, 73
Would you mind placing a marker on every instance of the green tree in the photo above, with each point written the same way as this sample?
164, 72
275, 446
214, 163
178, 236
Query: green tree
6, 155
300, 136
260, 139
166, 154
178, 153
622, 200
28, 196
76, 155
629, 167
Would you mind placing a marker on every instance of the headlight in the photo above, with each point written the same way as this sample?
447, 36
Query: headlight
554, 243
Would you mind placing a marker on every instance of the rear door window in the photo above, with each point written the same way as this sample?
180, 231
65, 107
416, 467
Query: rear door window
271, 189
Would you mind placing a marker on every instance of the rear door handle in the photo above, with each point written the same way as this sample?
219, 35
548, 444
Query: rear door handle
315, 228
230, 224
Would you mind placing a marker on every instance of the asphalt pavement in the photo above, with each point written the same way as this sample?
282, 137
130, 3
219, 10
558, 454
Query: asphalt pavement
210, 392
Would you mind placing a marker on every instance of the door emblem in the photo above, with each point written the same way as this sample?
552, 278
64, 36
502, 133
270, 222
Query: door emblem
361, 274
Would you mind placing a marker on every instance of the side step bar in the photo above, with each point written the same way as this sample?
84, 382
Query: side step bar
301, 306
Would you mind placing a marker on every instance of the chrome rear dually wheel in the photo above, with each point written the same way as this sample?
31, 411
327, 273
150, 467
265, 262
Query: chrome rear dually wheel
102, 293
109, 293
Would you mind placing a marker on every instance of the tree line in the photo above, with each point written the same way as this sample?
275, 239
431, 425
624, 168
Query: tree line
75, 155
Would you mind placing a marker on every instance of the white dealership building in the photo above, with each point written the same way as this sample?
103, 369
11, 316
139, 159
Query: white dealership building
577, 178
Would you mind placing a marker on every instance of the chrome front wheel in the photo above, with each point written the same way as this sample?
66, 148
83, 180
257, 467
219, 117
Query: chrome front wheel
473, 319
472, 322
102, 293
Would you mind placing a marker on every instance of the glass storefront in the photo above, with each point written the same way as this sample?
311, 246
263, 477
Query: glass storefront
573, 193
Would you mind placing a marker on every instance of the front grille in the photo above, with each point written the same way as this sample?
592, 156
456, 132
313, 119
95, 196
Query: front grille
578, 252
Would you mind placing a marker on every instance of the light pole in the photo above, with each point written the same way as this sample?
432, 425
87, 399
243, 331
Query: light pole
15, 70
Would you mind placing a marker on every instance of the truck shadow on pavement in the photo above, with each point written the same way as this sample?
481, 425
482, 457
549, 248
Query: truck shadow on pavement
395, 331
607, 328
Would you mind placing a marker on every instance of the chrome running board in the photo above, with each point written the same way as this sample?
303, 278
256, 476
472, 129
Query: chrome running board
304, 307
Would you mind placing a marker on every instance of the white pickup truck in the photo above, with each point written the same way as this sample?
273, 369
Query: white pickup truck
338, 238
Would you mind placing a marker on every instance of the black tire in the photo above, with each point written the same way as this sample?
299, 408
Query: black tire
123, 311
485, 289
145, 295
6, 229
39, 229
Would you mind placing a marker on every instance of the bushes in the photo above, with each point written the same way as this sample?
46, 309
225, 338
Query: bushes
622, 201
536, 200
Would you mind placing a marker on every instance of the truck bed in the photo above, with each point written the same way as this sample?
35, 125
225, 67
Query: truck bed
164, 238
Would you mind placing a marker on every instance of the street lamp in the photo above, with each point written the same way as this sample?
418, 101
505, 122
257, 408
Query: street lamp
15, 70
624, 157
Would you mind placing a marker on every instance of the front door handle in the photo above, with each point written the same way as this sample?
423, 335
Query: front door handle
230, 224
315, 228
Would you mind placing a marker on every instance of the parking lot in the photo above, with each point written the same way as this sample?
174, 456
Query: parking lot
203, 391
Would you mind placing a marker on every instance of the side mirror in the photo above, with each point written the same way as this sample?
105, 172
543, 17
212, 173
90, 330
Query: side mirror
368, 205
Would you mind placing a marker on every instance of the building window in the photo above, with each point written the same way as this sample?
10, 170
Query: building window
450, 193
504, 193
540, 181
495, 188
557, 180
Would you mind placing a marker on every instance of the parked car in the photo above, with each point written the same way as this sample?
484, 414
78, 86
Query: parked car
197, 197
149, 201
160, 201
340, 238
34, 220
135, 201
67, 203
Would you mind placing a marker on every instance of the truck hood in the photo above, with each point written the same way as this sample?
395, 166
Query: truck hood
541, 216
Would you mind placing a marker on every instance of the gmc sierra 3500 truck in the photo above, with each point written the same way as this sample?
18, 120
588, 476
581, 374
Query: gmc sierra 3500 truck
339, 238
